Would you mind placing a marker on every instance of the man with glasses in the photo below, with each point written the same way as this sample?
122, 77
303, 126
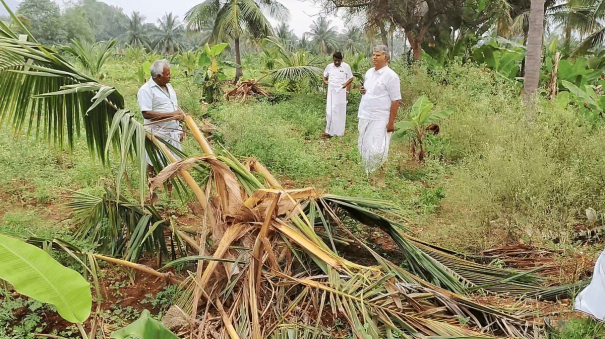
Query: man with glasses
377, 112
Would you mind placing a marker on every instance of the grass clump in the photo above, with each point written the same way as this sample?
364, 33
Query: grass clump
581, 328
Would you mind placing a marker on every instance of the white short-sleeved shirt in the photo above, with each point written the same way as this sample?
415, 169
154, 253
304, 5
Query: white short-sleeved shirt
382, 88
338, 76
153, 98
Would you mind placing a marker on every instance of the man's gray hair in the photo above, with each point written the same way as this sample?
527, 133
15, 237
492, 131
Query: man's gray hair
382, 48
158, 67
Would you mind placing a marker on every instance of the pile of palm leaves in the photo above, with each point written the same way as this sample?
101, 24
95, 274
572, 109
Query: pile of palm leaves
265, 259
245, 89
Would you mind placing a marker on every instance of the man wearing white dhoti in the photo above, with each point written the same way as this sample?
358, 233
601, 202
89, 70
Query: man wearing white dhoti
160, 106
377, 112
338, 77
592, 299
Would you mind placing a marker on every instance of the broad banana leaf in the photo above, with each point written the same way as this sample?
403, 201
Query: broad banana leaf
145, 327
36, 274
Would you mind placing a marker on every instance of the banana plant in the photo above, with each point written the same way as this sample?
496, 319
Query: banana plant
585, 98
421, 120
505, 62
34, 273
143, 72
210, 72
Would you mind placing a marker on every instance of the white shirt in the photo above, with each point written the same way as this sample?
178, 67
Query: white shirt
153, 98
338, 76
382, 88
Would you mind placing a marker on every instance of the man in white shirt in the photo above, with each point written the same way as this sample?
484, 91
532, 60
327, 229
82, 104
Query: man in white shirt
377, 112
338, 77
160, 107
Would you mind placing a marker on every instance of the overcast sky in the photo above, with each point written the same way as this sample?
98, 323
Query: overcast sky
302, 13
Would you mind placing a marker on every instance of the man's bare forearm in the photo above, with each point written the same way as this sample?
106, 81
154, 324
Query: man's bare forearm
151, 115
394, 109
392, 116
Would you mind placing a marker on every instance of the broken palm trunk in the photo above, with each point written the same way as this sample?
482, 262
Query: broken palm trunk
245, 89
264, 270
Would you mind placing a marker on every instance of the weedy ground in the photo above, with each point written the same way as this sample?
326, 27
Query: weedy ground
496, 175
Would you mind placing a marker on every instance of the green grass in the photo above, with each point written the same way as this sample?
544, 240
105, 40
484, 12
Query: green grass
583, 328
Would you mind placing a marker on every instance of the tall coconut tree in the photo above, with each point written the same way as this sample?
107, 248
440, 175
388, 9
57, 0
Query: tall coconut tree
534, 49
233, 18
170, 34
352, 40
137, 35
323, 36
286, 35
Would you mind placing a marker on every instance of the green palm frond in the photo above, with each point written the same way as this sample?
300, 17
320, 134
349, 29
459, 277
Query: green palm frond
295, 73
199, 16
43, 94
122, 228
91, 56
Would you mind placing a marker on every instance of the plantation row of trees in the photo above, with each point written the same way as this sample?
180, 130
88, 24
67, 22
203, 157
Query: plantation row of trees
94, 21
440, 31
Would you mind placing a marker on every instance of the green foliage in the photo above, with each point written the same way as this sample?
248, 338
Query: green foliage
144, 328
420, 119
77, 24
91, 56
144, 72
25, 327
585, 98
35, 273
585, 328
210, 72
505, 62
511, 177
448, 50
45, 16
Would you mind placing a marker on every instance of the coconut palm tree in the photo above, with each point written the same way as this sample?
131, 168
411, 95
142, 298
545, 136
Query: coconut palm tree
136, 34
352, 40
534, 49
233, 18
169, 36
594, 13
323, 36
286, 35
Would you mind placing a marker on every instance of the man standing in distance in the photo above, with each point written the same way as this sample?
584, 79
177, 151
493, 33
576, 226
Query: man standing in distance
160, 107
377, 111
338, 77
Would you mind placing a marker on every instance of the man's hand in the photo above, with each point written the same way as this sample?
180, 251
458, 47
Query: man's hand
362, 90
390, 127
325, 82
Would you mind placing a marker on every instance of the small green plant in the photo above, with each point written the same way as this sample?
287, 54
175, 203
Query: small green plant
421, 120
430, 199
143, 72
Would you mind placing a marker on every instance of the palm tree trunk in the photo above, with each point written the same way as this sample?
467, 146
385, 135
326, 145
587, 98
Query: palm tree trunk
383, 35
534, 49
238, 59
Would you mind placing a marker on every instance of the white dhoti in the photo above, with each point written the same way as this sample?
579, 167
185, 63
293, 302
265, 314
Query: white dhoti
373, 143
592, 299
336, 111
172, 136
